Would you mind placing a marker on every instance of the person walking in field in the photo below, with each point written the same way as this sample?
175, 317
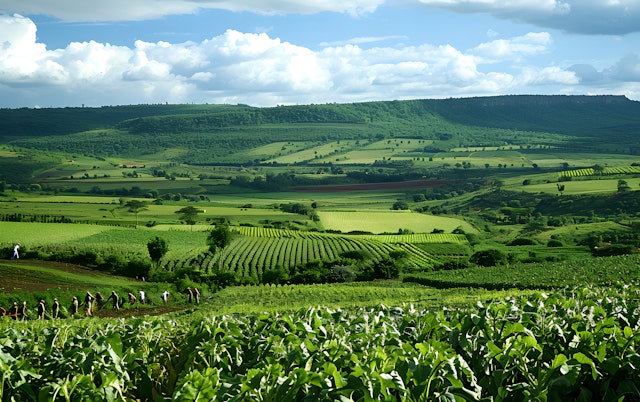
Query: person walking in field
115, 299
74, 306
165, 297
23, 311
16, 255
88, 304
41, 310
190, 292
3, 311
14, 311
142, 296
99, 300
132, 298
55, 308
196, 295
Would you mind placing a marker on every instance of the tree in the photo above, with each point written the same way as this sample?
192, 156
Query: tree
488, 258
219, 238
400, 205
157, 249
623, 186
136, 206
189, 215
598, 170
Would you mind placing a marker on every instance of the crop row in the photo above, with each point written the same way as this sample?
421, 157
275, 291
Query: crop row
251, 256
602, 271
579, 344
434, 238
606, 171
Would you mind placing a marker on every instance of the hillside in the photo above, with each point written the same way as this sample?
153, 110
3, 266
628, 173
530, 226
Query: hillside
571, 115
356, 135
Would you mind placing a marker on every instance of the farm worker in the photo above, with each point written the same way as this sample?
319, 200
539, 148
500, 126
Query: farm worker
55, 308
132, 298
14, 311
142, 296
23, 310
165, 297
15, 251
99, 300
116, 300
41, 310
88, 304
3, 311
74, 306
196, 294
190, 294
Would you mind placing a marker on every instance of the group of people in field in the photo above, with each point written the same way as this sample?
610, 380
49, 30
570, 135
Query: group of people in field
88, 305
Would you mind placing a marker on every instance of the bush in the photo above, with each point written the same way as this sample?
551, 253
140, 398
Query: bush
613, 249
554, 243
275, 276
386, 268
341, 274
522, 241
488, 258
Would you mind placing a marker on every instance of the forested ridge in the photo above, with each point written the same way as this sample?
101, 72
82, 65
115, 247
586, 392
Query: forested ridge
221, 134
562, 114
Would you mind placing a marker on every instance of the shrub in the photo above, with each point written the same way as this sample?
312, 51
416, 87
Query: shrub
488, 258
554, 243
275, 276
522, 241
341, 274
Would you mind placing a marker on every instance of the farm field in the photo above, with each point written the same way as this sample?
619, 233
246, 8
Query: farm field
554, 345
594, 186
293, 305
389, 221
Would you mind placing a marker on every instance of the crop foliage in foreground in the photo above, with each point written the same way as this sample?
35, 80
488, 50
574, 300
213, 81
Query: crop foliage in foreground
575, 344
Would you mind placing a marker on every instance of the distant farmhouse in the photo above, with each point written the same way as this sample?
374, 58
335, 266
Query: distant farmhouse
134, 165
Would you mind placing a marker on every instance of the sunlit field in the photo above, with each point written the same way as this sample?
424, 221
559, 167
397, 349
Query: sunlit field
389, 222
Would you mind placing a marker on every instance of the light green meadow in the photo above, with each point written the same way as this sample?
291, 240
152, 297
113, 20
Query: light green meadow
33, 234
389, 221
581, 186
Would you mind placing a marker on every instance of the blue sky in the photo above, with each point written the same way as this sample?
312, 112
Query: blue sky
267, 53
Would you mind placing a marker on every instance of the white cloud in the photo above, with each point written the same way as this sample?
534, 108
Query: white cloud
126, 10
614, 17
257, 69
628, 68
513, 48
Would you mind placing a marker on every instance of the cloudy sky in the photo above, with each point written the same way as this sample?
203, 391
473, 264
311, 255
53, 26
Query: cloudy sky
275, 52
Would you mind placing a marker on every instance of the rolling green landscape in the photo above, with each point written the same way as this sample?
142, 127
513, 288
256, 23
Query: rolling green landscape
454, 249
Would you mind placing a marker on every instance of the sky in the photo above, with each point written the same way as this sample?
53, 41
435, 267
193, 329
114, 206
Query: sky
72, 53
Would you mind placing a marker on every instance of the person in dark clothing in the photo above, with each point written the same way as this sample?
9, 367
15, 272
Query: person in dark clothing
190, 293
99, 300
41, 310
55, 308
116, 300
74, 306
88, 304
14, 311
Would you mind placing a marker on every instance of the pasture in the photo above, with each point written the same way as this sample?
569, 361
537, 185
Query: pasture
594, 186
376, 221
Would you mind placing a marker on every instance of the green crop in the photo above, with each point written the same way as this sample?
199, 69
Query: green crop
578, 344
